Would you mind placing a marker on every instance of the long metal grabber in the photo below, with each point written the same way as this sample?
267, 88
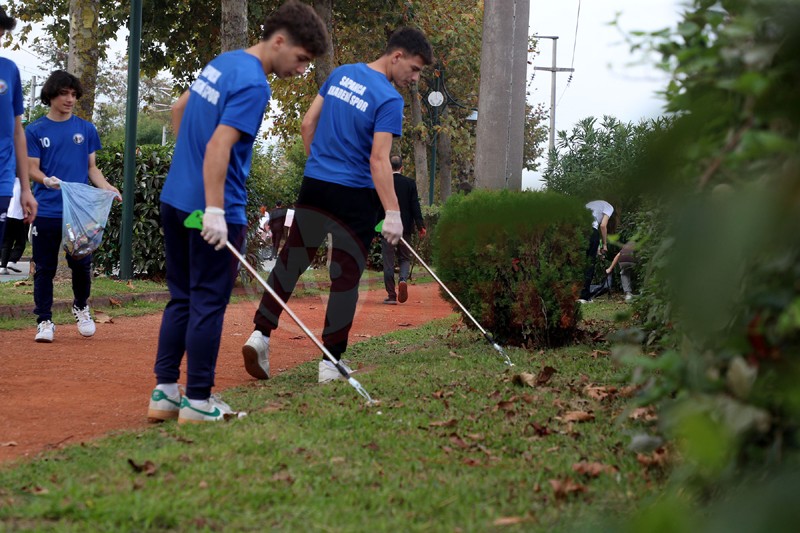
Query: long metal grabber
486, 334
195, 221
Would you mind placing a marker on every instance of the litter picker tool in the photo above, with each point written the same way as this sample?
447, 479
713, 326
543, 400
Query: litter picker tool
486, 334
195, 221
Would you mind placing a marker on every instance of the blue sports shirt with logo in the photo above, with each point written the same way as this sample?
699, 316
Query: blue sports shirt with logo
11, 106
359, 102
63, 149
231, 90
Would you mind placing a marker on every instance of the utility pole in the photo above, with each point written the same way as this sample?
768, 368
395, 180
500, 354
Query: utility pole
553, 70
501, 103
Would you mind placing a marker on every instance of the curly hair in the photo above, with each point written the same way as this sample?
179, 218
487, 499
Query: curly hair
57, 82
412, 41
302, 24
6, 23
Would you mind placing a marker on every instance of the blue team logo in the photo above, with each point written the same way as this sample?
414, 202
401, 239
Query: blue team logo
3, 87
77, 138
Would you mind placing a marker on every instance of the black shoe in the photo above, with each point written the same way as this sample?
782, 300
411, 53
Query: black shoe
390, 301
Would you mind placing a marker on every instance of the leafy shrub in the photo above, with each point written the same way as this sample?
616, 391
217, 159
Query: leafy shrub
152, 165
515, 260
724, 257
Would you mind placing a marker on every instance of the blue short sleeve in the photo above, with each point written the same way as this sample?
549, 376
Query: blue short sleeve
238, 112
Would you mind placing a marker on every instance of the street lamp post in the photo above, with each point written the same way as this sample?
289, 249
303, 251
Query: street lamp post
438, 98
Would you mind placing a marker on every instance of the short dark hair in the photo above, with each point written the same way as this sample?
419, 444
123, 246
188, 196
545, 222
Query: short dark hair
6, 23
57, 82
397, 162
302, 24
412, 41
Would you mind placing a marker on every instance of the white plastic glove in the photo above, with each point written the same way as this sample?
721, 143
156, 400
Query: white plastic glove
392, 227
52, 182
215, 229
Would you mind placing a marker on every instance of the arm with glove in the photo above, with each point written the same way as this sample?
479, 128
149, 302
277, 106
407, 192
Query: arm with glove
384, 185
215, 171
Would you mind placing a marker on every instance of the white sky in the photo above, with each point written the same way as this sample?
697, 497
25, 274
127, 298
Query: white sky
604, 82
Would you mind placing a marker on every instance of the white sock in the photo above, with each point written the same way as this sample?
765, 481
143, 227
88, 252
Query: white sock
170, 389
197, 403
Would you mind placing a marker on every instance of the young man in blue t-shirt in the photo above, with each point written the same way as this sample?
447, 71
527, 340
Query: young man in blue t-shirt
13, 151
216, 121
61, 147
347, 133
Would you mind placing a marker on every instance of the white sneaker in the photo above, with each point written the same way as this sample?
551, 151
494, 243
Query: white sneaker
45, 331
329, 372
628, 296
84, 320
162, 406
212, 410
256, 355
4, 271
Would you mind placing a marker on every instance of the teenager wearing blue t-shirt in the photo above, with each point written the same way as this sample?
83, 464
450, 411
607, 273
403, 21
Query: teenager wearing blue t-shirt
347, 133
216, 121
61, 147
13, 151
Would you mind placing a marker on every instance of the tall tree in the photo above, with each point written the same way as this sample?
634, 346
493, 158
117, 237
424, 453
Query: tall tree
84, 50
234, 25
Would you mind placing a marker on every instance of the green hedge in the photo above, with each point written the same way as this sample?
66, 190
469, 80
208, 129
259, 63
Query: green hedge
515, 260
152, 164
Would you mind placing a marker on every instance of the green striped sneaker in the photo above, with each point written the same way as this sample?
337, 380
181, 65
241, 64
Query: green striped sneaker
212, 410
163, 407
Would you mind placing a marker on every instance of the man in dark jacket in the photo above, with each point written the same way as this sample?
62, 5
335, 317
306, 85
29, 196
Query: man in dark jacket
410, 213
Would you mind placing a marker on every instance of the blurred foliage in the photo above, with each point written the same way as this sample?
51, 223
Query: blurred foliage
515, 260
721, 296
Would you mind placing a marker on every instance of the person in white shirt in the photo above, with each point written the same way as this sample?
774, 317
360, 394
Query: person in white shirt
598, 242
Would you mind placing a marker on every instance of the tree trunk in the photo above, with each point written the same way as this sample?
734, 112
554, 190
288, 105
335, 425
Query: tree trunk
323, 65
420, 148
233, 32
84, 51
445, 157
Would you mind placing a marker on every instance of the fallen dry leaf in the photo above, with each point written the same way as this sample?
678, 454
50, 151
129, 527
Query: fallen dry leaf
524, 378
657, 459
471, 462
599, 393
363, 335
544, 375
458, 441
284, 476
102, 318
36, 490
593, 469
129, 284
454, 354
8, 444
509, 520
371, 446
506, 405
444, 423
21, 283
577, 416
648, 414
272, 407
564, 487
405, 324
113, 302
203, 484
148, 467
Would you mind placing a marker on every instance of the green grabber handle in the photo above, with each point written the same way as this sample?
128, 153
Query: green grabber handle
486, 334
195, 221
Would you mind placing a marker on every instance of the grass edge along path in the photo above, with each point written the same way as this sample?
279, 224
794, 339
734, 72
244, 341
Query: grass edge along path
457, 443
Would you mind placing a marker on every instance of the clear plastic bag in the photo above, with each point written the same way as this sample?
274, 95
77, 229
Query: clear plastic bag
85, 216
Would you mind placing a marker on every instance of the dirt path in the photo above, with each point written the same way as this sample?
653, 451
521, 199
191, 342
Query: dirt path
76, 389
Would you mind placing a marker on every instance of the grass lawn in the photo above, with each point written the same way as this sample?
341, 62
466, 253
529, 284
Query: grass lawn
458, 443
